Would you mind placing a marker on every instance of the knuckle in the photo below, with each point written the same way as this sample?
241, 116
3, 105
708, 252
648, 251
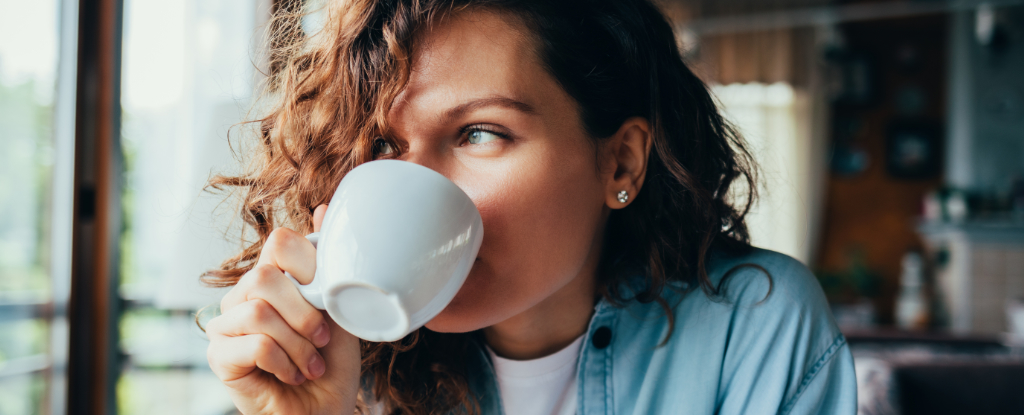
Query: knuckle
230, 298
259, 310
263, 275
214, 326
280, 238
253, 282
265, 346
211, 356
224, 304
309, 323
214, 359
306, 350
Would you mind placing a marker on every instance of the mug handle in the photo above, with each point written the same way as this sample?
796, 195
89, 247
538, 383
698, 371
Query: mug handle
312, 292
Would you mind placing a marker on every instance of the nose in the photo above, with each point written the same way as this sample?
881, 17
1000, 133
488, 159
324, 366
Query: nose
427, 157
440, 159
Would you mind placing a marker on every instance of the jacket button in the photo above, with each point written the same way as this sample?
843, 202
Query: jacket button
602, 337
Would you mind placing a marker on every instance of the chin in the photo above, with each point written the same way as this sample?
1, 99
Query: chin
441, 324
474, 307
460, 316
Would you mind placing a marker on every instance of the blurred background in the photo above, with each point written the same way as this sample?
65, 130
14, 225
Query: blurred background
890, 133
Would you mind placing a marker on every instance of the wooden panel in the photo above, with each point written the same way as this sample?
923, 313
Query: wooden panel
874, 212
93, 312
770, 56
996, 279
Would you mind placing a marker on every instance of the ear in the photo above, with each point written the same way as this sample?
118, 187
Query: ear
626, 154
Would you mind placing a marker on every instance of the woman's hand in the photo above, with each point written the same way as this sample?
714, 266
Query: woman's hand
276, 353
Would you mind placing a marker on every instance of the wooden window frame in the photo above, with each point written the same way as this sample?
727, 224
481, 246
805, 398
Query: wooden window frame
93, 310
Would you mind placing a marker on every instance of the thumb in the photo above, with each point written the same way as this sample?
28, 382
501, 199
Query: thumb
318, 217
343, 360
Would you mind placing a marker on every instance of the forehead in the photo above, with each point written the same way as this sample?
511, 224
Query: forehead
474, 54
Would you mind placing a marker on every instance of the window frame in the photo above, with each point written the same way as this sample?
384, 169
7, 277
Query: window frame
93, 357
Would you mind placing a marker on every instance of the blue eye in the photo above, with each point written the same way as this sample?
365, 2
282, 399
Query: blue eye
382, 147
481, 136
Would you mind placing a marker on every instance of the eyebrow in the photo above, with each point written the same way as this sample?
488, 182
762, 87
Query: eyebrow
454, 113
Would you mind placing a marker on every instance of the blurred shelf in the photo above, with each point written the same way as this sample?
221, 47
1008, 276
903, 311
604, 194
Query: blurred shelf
12, 309
827, 15
23, 366
894, 335
977, 230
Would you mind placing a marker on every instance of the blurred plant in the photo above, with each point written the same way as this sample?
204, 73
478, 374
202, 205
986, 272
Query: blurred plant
26, 161
857, 281
1017, 197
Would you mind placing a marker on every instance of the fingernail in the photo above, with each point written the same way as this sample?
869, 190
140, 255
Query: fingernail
316, 366
299, 378
322, 335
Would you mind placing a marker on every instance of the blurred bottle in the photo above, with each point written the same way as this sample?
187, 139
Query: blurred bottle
945, 205
933, 206
1017, 198
912, 305
956, 206
1015, 320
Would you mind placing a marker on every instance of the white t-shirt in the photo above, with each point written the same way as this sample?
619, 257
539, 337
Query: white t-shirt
544, 386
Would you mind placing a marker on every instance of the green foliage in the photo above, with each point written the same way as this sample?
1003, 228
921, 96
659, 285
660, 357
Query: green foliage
22, 338
22, 394
25, 183
126, 241
858, 280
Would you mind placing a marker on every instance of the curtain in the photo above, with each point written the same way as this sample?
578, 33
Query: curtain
776, 120
769, 85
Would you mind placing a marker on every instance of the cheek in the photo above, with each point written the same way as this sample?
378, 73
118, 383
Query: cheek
540, 219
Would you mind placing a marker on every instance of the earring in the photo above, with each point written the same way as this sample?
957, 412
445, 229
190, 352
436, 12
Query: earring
623, 196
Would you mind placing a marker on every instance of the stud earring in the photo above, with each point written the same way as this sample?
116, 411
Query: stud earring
623, 196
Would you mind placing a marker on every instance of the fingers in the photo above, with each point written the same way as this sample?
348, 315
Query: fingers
344, 355
288, 250
318, 217
233, 358
268, 283
266, 323
259, 317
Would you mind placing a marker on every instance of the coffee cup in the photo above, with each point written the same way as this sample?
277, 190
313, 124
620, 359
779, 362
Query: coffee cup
396, 244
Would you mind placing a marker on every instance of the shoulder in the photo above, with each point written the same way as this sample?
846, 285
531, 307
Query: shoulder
780, 329
767, 279
759, 343
763, 298
762, 290
765, 343
758, 287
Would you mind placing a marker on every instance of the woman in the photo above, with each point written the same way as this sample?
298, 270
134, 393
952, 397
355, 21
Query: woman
615, 275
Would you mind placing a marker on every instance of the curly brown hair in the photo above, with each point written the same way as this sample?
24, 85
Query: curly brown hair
616, 58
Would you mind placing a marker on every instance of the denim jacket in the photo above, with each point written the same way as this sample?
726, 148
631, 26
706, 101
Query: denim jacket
748, 352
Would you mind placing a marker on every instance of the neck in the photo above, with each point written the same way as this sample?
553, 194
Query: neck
552, 324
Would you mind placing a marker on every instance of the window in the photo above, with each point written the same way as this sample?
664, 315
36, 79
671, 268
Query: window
187, 77
36, 134
776, 122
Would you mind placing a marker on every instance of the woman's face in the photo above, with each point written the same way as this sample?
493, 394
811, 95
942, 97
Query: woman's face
480, 109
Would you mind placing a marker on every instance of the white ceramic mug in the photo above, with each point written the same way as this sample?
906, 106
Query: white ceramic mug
395, 246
